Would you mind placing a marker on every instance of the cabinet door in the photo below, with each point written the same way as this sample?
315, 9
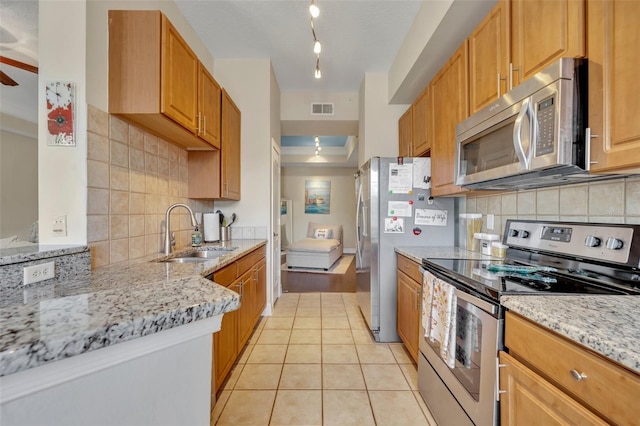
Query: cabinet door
260, 273
405, 129
489, 58
528, 396
421, 143
178, 79
230, 148
225, 348
209, 95
408, 322
247, 308
614, 87
544, 31
449, 106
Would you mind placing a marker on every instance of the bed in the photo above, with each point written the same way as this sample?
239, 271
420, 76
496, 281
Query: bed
321, 248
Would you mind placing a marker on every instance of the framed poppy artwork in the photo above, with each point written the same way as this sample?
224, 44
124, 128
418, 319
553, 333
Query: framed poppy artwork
60, 97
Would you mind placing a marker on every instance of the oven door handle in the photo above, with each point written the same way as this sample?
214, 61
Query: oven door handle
485, 306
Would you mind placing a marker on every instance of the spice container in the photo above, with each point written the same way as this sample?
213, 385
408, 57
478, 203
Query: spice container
499, 250
485, 241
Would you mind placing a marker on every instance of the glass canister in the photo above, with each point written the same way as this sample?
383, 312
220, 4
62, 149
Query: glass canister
470, 223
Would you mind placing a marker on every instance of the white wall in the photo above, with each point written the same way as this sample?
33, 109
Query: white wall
18, 176
343, 200
62, 171
378, 133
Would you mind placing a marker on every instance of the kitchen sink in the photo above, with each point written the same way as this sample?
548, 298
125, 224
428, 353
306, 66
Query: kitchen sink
200, 255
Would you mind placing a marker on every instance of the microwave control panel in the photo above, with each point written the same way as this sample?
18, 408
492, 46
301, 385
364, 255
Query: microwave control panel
545, 120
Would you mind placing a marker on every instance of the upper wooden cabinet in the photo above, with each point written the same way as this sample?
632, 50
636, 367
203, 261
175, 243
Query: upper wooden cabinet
489, 57
405, 129
230, 154
209, 98
614, 87
156, 80
543, 31
449, 105
420, 134
216, 174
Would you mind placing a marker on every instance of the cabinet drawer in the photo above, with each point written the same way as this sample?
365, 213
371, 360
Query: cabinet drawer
608, 389
250, 259
409, 267
226, 275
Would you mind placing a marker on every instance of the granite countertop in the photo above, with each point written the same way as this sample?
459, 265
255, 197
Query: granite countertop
604, 324
29, 252
58, 319
607, 325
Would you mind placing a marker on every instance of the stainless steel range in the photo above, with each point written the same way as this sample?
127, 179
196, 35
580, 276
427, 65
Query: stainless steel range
544, 258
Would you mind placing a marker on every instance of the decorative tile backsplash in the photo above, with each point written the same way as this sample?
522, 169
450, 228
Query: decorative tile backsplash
613, 201
133, 177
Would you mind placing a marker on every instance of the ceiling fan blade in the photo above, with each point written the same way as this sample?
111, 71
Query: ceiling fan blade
6, 80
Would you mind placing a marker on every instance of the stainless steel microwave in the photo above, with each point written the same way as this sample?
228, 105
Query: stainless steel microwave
533, 136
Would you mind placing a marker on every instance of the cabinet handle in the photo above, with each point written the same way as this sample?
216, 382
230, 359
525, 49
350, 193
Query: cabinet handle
500, 78
198, 125
204, 125
498, 390
577, 376
511, 70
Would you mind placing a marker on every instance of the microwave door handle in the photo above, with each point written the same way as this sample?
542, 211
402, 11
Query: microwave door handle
517, 134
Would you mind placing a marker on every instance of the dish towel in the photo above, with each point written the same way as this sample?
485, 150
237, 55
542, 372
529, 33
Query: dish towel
443, 320
428, 281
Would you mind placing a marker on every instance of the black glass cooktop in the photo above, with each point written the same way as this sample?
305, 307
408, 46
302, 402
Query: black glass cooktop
493, 278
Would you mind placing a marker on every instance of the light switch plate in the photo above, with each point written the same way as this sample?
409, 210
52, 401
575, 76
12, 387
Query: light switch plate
490, 221
41, 272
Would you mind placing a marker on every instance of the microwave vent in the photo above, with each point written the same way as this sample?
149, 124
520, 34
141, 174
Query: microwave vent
318, 108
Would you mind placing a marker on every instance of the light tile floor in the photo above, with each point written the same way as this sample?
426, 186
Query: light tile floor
315, 363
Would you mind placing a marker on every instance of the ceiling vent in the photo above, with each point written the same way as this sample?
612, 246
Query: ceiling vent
318, 108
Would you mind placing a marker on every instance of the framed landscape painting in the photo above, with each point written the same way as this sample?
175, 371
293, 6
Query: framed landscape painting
317, 196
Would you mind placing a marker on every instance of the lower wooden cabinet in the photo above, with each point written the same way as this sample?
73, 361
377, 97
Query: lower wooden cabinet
247, 277
409, 299
529, 399
557, 381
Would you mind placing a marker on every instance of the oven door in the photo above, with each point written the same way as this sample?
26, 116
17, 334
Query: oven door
472, 382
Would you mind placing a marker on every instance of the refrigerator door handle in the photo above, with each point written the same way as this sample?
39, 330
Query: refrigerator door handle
364, 221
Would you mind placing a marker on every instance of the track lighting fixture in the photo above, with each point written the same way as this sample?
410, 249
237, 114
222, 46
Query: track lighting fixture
317, 47
313, 10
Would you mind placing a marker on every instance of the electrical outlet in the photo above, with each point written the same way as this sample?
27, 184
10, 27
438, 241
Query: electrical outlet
41, 272
490, 221
60, 226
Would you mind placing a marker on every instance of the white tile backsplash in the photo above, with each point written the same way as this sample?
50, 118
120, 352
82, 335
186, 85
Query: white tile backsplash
607, 199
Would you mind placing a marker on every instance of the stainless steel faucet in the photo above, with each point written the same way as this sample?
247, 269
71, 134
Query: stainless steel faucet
169, 240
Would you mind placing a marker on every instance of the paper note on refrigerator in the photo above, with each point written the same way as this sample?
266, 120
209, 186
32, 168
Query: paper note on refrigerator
422, 173
399, 208
393, 225
400, 178
431, 217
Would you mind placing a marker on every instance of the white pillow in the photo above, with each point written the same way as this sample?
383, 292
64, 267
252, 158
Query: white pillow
322, 233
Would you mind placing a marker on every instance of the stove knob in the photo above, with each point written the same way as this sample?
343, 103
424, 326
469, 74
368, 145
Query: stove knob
514, 233
592, 241
524, 234
614, 243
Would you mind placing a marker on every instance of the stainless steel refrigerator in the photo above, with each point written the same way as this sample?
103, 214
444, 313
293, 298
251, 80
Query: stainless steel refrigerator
392, 212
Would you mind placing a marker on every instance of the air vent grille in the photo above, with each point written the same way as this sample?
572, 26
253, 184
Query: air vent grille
318, 108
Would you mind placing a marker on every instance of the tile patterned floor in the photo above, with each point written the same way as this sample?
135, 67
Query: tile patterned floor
314, 363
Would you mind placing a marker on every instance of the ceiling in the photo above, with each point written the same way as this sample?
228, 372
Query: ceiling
357, 36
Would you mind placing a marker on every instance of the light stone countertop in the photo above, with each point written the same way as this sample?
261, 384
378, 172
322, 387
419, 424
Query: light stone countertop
58, 319
35, 252
607, 325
